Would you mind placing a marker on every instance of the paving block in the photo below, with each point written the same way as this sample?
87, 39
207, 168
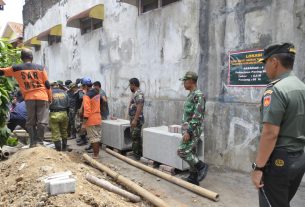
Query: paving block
167, 169
58, 186
161, 146
116, 134
144, 161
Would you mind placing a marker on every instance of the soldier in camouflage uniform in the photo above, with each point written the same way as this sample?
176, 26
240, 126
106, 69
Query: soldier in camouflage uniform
136, 116
193, 114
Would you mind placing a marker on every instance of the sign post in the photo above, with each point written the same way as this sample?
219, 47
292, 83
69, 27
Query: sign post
245, 70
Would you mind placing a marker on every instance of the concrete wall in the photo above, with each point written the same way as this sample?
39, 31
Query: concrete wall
159, 46
232, 121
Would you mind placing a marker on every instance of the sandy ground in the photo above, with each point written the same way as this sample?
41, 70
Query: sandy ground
234, 188
23, 186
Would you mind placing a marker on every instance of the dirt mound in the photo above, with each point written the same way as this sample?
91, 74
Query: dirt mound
21, 181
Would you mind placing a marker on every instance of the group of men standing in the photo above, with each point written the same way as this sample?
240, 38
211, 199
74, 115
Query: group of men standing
280, 162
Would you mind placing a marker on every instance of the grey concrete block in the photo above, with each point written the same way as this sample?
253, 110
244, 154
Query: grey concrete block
161, 146
144, 161
116, 134
57, 187
167, 169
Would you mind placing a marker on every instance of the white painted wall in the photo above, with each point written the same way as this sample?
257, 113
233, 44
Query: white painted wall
157, 47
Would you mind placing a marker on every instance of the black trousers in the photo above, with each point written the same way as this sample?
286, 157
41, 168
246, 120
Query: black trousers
282, 177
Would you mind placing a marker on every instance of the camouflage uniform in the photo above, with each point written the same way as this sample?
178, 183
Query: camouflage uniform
194, 108
59, 118
136, 132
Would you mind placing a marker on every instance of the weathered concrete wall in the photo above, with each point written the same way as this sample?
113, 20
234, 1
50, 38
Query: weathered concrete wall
232, 128
159, 46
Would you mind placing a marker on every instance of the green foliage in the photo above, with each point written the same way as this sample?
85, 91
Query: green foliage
8, 54
8, 57
12, 141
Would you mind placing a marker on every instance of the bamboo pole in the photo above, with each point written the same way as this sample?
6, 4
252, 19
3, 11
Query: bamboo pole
112, 188
194, 188
126, 182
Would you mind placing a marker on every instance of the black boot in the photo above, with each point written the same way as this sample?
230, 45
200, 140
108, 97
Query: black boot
83, 140
64, 144
192, 178
32, 136
202, 169
58, 145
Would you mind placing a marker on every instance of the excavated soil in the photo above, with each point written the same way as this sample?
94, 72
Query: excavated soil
22, 174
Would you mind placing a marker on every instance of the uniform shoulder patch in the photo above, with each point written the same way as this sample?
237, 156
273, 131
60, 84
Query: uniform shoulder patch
267, 100
268, 92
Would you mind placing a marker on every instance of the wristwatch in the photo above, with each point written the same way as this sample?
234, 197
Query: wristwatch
255, 167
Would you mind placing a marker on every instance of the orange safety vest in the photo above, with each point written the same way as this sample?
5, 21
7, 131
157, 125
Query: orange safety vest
32, 79
92, 112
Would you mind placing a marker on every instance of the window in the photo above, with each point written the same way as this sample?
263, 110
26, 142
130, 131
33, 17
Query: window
53, 39
90, 24
37, 48
1, 7
166, 2
148, 5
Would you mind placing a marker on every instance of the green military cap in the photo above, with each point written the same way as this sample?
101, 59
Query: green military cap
60, 82
189, 76
277, 49
72, 85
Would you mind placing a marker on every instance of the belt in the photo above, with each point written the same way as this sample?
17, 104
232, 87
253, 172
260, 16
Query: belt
58, 110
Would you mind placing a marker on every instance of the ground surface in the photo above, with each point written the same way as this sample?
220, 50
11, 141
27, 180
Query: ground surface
23, 187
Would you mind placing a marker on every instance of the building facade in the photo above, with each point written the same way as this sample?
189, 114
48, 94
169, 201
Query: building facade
158, 41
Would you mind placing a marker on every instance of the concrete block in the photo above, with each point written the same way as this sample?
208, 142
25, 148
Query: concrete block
59, 183
161, 146
58, 186
144, 161
116, 134
167, 169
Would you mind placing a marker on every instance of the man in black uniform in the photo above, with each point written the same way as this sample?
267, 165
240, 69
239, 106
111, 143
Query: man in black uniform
59, 117
280, 161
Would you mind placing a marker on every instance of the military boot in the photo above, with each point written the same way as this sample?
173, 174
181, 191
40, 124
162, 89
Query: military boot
32, 136
192, 178
202, 169
57, 145
83, 140
64, 144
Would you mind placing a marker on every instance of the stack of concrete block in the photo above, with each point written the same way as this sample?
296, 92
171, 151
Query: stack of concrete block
116, 134
161, 146
174, 129
60, 183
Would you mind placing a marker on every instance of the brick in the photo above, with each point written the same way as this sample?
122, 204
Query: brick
58, 186
167, 169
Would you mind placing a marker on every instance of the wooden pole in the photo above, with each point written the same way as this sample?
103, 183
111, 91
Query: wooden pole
112, 188
194, 188
126, 182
